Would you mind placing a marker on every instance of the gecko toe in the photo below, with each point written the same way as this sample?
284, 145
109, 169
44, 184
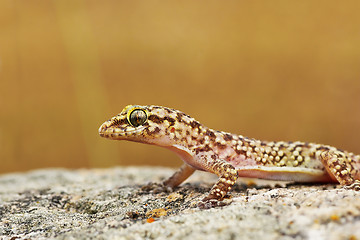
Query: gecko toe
354, 186
213, 203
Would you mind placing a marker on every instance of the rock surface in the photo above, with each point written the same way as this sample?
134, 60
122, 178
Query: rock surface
111, 204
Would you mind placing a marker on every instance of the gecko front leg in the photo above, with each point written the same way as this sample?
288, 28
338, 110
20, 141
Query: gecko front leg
175, 180
227, 178
179, 176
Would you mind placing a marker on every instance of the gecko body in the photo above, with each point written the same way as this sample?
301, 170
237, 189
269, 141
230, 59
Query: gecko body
230, 155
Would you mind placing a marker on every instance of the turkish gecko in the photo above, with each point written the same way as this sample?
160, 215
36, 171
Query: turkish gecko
227, 155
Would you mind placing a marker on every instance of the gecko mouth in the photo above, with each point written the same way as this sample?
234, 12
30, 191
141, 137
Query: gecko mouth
118, 133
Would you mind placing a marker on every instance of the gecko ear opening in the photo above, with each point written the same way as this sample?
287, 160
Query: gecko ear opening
137, 117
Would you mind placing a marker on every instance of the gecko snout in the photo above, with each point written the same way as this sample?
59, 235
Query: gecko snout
104, 129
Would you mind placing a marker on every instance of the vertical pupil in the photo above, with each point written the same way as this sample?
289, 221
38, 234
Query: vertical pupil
137, 117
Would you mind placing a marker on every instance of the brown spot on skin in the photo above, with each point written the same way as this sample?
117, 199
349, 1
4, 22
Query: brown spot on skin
170, 120
210, 134
179, 116
195, 124
219, 145
206, 148
322, 148
228, 137
157, 129
155, 119
168, 110
213, 157
240, 152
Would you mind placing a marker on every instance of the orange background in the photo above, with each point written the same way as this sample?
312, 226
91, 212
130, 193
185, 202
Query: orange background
272, 70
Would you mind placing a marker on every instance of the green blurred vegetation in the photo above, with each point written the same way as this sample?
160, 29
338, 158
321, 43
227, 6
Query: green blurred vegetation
274, 70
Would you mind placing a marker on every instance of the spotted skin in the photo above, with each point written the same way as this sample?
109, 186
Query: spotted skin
227, 155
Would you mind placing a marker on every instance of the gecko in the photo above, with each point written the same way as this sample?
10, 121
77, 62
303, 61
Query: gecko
227, 155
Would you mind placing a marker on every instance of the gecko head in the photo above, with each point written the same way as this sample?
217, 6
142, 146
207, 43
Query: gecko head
148, 124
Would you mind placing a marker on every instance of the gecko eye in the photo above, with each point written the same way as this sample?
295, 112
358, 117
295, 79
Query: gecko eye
137, 117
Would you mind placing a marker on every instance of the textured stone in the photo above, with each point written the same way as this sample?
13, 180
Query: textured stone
111, 204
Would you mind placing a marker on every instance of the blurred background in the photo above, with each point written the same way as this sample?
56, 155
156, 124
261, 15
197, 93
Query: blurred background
271, 70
